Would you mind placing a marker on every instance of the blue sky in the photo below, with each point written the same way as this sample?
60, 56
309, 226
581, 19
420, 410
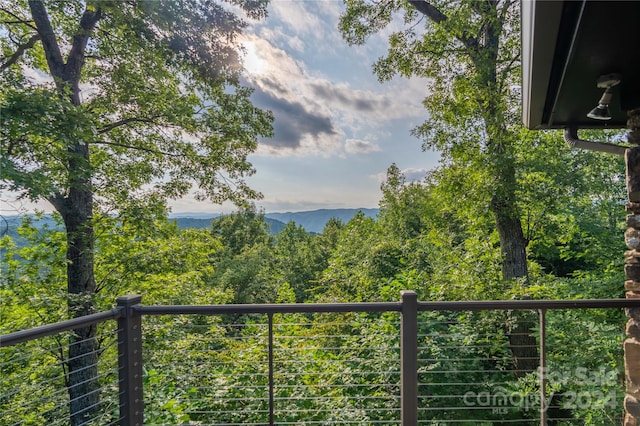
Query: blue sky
337, 129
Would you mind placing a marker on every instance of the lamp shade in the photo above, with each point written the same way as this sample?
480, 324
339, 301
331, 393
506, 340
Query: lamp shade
601, 112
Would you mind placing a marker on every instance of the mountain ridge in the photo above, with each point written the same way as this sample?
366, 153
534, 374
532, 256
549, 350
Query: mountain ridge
315, 220
310, 220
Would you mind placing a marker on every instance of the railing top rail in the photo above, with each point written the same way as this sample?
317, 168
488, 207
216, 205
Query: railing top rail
46, 330
49, 329
284, 308
384, 306
471, 305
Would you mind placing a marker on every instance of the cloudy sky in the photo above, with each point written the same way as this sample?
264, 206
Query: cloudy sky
337, 129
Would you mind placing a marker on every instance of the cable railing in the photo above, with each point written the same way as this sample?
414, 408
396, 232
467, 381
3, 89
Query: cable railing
35, 386
406, 362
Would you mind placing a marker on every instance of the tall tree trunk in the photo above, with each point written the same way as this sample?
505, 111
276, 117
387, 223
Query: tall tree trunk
522, 340
483, 50
513, 245
76, 210
75, 205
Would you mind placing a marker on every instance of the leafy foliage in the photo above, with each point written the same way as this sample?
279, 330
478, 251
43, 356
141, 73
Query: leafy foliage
160, 102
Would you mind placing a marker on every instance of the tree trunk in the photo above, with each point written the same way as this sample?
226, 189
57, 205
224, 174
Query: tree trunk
75, 205
483, 50
513, 245
513, 248
82, 363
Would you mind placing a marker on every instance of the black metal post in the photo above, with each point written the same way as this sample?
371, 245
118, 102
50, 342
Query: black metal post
543, 368
271, 400
409, 359
130, 362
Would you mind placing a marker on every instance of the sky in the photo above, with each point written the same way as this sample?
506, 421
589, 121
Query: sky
337, 128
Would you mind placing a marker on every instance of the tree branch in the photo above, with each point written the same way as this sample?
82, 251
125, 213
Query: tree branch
511, 66
49, 41
433, 13
505, 9
12, 144
136, 148
126, 121
429, 10
19, 19
58, 202
76, 54
440, 52
18, 53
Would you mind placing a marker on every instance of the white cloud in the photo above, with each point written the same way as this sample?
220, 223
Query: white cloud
414, 174
306, 22
411, 175
356, 146
314, 115
308, 145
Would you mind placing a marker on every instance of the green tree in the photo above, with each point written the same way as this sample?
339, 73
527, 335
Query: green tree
469, 51
241, 230
402, 206
299, 259
243, 266
151, 257
352, 274
156, 259
435, 243
105, 102
572, 204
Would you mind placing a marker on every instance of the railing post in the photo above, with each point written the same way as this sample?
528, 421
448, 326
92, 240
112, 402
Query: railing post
544, 404
130, 362
409, 359
271, 385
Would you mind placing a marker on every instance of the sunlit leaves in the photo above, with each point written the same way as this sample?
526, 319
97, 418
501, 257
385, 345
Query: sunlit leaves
160, 102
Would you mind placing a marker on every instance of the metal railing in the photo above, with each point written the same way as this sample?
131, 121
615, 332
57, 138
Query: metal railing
405, 362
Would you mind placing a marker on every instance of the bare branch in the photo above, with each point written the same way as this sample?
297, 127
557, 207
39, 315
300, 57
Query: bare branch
18, 53
135, 148
126, 121
18, 19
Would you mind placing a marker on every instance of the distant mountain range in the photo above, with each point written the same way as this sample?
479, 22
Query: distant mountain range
275, 226
311, 221
314, 221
